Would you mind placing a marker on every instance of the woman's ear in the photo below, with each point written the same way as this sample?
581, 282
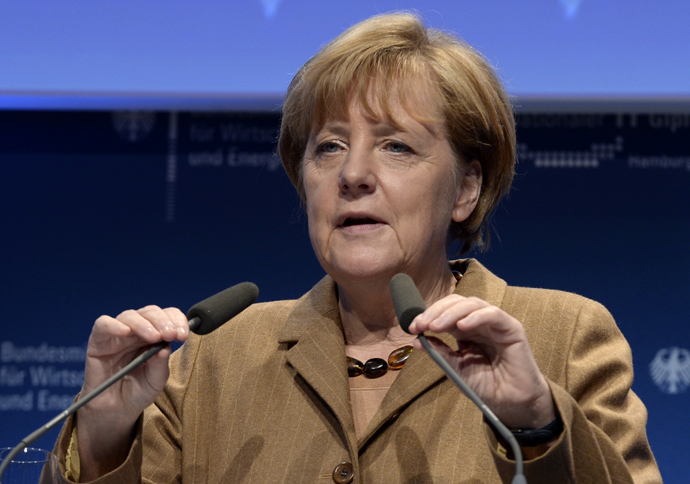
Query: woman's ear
468, 192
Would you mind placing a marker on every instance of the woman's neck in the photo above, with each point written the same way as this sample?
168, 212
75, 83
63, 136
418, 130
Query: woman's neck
367, 312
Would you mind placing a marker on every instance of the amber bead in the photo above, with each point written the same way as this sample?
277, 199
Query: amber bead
375, 368
354, 367
397, 359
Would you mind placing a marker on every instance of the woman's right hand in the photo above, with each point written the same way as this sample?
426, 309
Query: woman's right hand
105, 426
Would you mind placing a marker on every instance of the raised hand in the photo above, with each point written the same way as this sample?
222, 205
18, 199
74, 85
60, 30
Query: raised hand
105, 426
493, 358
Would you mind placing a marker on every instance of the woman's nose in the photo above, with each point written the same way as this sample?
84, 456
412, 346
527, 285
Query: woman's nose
356, 175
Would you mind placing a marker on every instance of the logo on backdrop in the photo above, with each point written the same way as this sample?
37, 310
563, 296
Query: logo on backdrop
670, 370
133, 125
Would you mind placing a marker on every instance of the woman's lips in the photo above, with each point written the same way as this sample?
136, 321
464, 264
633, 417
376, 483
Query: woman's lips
360, 224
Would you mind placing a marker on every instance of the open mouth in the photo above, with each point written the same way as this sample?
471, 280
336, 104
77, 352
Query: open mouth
359, 221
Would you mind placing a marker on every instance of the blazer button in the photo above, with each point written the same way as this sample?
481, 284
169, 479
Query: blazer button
343, 473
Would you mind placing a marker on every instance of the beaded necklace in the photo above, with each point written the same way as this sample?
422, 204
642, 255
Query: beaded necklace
377, 367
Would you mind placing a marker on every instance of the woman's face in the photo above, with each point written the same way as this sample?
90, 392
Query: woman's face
380, 198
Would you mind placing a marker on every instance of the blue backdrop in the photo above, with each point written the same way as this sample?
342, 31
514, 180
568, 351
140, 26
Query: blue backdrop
220, 49
103, 211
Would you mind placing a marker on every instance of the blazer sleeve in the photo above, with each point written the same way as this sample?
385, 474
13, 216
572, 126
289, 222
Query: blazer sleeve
604, 438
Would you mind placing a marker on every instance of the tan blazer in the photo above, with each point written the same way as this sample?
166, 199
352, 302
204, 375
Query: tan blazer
265, 399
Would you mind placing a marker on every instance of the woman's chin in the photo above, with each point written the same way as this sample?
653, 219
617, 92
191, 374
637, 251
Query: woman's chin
363, 270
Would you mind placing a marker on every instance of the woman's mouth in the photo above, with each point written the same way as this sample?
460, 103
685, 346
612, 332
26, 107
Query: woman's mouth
350, 221
360, 224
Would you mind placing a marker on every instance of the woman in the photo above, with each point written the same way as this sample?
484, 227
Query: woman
400, 141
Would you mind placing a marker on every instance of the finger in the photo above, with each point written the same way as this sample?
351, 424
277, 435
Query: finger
421, 322
443, 315
180, 322
150, 323
161, 320
109, 335
449, 318
106, 327
489, 324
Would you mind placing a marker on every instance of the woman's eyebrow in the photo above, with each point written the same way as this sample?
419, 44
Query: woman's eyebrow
387, 129
379, 128
333, 127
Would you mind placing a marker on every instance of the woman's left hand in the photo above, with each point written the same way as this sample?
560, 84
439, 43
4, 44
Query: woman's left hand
494, 358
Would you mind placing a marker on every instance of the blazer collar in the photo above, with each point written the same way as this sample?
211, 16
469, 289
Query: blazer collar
479, 282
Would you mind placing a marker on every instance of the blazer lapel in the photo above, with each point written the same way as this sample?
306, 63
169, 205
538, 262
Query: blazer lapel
313, 332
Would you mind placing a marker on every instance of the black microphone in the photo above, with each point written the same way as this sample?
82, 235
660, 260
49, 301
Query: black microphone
407, 300
409, 303
204, 317
211, 313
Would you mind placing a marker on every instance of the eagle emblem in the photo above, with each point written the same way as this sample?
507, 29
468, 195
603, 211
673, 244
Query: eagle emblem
670, 370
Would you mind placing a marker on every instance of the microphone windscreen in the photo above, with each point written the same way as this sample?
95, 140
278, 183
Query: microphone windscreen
407, 300
220, 308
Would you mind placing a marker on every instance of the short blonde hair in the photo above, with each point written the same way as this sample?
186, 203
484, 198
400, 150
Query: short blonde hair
388, 51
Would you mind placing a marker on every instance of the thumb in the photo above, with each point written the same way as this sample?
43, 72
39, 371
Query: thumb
156, 369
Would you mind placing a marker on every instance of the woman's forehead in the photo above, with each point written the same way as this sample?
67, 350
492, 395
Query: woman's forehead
388, 102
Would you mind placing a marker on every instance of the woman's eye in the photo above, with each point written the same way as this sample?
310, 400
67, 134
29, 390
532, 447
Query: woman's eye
328, 147
398, 147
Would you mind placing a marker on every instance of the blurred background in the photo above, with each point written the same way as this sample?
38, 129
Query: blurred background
137, 166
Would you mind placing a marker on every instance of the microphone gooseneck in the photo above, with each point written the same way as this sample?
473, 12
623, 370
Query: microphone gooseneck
409, 303
204, 317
